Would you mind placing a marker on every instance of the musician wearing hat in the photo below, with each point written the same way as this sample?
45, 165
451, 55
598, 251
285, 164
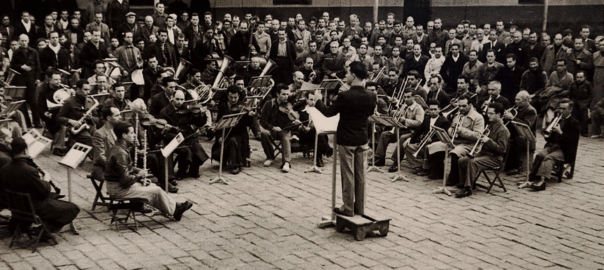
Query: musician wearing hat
562, 140
187, 122
422, 136
79, 114
50, 99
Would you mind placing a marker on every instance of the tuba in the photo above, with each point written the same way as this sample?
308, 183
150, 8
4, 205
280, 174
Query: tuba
226, 62
10, 76
262, 91
182, 69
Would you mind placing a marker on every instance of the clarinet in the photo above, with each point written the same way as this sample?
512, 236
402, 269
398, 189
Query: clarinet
145, 154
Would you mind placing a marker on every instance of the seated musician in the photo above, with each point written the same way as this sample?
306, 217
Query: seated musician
489, 156
237, 146
412, 145
435, 91
466, 128
463, 86
311, 75
192, 155
278, 118
165, 75
209, 74
54, 213
392, 83
100, 79
193, 79
49, 108
494, 90
413, 85
562, 141
410, 115
123, 180
118, 98
73, 114
14, 121
103, 139
253, 70
526, 114
162, 99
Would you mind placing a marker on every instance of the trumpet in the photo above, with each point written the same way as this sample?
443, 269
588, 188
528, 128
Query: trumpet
478, 146
548, 131
424, 142
457, 126
513, 111
485, 105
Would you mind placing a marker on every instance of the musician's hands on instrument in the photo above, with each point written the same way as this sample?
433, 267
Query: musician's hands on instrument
557, 129
26, 68
276, 129
484, 139
508, 115
125, 73
74, 123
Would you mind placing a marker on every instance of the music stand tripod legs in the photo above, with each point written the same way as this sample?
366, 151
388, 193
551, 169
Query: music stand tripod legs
443, 188
399, 176
315, 168
373, 168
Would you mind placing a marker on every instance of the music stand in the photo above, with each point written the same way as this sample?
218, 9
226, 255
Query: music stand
328, 85
331, 220
35, 142
227, 121
101, 97
71, 161
381, 120
11, 108
525, 131
444, 137
323, 125
15, 92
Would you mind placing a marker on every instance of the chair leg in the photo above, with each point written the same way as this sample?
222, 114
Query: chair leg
491, 183
16, 235
498, 178
560, 172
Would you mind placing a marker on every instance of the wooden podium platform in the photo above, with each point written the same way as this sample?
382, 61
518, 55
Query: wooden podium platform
361, 225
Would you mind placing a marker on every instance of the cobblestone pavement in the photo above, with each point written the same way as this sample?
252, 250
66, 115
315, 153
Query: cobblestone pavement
268, 220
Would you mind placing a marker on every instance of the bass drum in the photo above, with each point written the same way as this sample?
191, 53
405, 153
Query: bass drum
137, 77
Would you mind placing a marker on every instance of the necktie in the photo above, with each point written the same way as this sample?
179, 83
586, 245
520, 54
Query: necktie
129, 54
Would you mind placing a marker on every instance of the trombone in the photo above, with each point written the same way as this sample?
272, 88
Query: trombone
478, 146
424, 142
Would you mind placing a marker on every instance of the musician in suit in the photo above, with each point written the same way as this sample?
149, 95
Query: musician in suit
92, 51
123, 180
466, 128
193, 155
490, 155
561, 145
411, 146
54, 56
354, 106
526, 114
48, 114
410, 116
73, 114
54, 213
27, 62
494, 90
283, 52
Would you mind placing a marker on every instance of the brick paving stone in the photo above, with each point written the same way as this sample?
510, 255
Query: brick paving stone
67, 267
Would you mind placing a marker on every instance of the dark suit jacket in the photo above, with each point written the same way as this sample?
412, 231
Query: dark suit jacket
28, 57
116, 13
499, 52
519, 50
49, 59
568, 140
419, 66
157, 51
239, 45
89, 55
158, 103
424, 128
354, 107
334, 64
20, 29
450, 69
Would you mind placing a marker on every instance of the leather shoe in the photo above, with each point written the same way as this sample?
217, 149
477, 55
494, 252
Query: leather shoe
393, 168
172, 189
59, 152
339, 212
181, 208
538, 186
329, 152
466, 192
423, 173
320, 162
174, 183
236, 170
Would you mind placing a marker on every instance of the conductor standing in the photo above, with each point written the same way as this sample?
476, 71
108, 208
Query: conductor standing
354, 107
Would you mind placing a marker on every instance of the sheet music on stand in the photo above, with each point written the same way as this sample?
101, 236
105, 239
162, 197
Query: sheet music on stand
443, 136
15, 92
76, 155
166, 151
306, 86
11, 108
36, 143
387, 121
228, 121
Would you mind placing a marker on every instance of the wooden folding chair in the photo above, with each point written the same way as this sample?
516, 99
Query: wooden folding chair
98, 187
561, 168
22, 210
497, 172
132, 205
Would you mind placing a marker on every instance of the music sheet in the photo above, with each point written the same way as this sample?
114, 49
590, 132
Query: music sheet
321, 122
